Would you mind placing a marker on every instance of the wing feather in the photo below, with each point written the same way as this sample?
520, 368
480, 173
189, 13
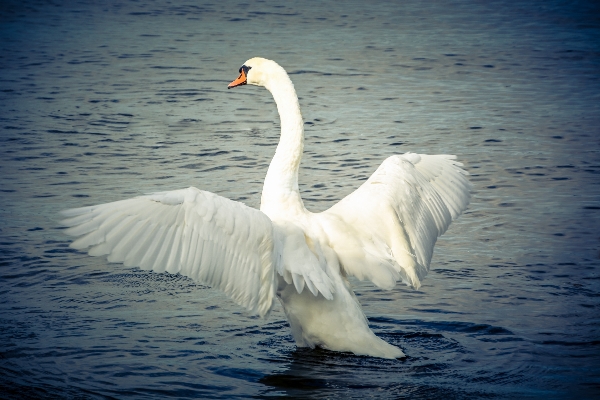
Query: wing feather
147, 262
164, 248
123, 247
386, 230
216, 241
299, 262
141, 247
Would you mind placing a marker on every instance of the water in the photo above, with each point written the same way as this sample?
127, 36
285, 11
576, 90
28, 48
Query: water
101, 101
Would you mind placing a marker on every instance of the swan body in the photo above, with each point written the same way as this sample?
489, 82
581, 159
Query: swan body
384, 232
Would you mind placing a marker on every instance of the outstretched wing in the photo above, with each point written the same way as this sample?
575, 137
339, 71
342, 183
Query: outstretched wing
385, 231
206, 237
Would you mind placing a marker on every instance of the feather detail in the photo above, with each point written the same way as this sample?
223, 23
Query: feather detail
198, 234
386, 230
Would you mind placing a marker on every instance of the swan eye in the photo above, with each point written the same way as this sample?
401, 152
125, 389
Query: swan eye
245, 69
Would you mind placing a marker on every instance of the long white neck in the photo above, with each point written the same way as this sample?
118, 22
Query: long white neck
280, 196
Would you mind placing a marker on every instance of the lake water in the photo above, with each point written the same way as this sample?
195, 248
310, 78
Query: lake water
101, 101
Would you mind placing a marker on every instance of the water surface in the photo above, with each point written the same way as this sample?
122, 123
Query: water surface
105, 101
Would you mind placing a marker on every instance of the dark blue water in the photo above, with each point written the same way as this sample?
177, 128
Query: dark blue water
101, 101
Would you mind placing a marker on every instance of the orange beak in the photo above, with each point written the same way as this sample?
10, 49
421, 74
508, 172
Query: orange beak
241, 80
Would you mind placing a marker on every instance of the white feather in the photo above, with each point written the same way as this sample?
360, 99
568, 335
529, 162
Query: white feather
404, 206
157, 232
385, 232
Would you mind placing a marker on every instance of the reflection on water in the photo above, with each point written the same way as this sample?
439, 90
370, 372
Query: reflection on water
104, 101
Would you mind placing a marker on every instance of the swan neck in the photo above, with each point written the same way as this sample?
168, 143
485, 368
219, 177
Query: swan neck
280, 191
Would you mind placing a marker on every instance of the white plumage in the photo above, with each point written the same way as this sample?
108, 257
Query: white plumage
384, 232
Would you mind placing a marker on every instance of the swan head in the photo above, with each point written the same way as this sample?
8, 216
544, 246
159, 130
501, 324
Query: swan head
258, 71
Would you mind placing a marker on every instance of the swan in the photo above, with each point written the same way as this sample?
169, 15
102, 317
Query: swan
384, 231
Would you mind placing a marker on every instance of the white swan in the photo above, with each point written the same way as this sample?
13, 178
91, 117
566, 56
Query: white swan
384, 231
